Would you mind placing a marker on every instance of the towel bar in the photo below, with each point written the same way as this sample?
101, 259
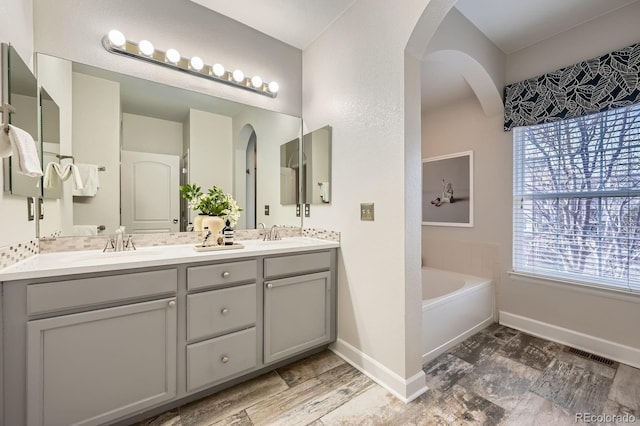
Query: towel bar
65, 157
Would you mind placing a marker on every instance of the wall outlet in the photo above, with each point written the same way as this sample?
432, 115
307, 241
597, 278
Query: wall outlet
366, 211
307, 210
266, 210
297, 210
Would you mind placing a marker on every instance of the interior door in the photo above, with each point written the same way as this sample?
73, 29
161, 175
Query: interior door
150, 193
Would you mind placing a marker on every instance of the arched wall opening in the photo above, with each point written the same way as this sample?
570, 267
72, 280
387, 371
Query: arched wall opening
246, 171
470, 122
475, 75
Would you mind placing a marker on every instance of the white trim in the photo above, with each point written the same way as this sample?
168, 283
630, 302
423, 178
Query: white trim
616, 351
406, 390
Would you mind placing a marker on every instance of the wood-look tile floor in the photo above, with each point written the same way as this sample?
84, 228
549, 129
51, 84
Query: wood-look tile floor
499, 376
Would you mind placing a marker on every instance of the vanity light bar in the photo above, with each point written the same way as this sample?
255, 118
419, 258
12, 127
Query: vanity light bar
115, 42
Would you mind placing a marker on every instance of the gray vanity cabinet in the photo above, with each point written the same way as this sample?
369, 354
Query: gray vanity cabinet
113, 346
298, 308
92, 367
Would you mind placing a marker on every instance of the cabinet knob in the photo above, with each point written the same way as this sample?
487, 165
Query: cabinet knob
172, 303
269, 285
224, 311
226, 274
224, 359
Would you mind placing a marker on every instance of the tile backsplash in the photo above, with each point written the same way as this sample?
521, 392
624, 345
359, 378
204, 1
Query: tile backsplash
14, 253
49, 245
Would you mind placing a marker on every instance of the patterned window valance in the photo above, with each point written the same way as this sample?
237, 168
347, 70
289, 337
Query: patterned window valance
609, 81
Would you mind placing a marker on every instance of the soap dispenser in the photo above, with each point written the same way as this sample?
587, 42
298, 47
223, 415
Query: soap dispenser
227, 233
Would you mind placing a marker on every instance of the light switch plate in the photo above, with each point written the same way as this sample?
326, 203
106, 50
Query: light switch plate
366, 211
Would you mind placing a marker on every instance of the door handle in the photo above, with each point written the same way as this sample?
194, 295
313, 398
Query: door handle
175, 221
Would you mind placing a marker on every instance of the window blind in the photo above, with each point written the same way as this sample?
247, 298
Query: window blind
576, 189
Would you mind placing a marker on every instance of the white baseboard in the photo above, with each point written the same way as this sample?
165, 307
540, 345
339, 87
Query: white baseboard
405, 390
616, 351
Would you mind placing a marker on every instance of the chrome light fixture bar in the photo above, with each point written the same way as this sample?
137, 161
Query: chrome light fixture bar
115, 42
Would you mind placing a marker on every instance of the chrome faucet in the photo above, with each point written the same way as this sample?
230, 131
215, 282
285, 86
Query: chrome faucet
129, 243
119, 243
274, 234
264, 233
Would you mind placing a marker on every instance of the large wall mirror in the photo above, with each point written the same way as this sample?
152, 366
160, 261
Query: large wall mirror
136, 141
316, 157
305, 169
22, 94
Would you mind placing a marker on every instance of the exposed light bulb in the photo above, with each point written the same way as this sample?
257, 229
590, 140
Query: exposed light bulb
146, 48
196, 63
218, 70
256, 81
116, 38
274, 87
238, 76
173, 56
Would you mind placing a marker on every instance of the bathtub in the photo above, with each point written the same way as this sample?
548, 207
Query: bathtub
454, 307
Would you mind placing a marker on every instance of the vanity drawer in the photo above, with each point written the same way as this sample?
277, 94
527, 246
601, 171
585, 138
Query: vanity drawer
221, 274
297, 264
219, 311
68, 294
216, 359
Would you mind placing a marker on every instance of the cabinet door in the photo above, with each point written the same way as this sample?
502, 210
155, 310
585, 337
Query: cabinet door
94, 367
296, 314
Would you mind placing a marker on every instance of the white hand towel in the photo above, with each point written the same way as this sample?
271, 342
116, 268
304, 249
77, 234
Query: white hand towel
25, 152
82, 230
73, 170
324, 191
63, 173
88, 179
50, 172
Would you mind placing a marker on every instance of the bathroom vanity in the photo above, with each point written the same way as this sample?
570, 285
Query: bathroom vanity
94, 338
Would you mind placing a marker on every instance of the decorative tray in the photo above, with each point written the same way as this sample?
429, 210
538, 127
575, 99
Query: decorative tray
234, 246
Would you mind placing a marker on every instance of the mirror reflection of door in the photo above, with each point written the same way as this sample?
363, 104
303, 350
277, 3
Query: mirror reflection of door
150, 193
251, 182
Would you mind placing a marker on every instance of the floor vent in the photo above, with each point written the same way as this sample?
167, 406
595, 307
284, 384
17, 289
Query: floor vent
596, 358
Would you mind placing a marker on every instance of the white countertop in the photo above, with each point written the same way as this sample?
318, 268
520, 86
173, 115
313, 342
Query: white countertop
79, 262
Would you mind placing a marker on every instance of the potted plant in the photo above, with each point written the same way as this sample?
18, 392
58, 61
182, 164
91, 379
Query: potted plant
214, 207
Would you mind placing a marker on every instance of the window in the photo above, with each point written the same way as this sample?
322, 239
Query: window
577, 199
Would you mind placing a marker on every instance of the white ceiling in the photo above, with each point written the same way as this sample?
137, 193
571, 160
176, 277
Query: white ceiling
513, 25
295, 22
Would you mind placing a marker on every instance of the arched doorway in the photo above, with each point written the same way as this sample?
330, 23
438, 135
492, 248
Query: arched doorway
251, 182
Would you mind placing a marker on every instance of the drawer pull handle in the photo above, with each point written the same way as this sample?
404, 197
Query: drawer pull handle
172, 303
224, 311
226, 274
269, 285
224, 359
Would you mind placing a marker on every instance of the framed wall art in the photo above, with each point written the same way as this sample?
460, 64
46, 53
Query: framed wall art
447, 190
